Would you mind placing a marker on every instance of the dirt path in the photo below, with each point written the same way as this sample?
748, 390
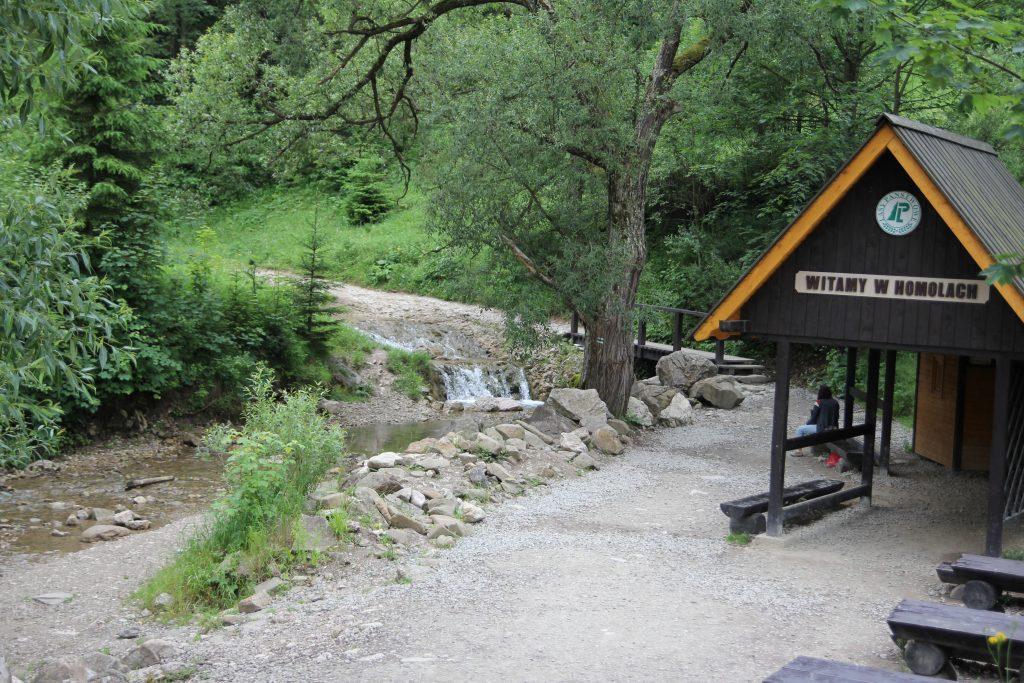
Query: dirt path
621, 574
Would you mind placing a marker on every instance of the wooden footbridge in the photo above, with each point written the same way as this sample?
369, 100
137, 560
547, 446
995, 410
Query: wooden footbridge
643, 349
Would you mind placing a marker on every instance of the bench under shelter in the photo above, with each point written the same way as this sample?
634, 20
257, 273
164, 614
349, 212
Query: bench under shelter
887, 257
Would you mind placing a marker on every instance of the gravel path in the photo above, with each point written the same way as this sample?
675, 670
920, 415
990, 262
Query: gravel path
622, 574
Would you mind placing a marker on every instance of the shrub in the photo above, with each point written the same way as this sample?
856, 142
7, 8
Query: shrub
411, 370
367, 201
284, 448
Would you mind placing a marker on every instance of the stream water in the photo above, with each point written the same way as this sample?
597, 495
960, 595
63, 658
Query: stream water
34, 506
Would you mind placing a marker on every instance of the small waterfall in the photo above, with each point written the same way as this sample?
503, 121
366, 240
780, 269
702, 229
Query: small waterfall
462, 370
466, 383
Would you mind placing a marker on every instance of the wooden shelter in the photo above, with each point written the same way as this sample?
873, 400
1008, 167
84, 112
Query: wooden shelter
885, 258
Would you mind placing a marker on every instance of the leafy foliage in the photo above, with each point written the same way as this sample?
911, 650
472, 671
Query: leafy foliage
58, 325
285, 447
366, 201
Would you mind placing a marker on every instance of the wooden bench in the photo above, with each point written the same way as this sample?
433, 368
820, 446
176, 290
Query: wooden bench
934, 633
850, 450
984, 578
808, 669
746, 515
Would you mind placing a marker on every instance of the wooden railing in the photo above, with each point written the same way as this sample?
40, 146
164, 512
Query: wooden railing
677, 327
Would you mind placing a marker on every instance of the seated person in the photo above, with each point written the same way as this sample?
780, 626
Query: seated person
824, 415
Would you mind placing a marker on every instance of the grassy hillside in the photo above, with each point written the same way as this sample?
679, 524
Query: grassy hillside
269, 227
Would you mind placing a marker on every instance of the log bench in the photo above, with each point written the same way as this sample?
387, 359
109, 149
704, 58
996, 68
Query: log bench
984, 578
807, 669
746, 515
850, 450
934, 633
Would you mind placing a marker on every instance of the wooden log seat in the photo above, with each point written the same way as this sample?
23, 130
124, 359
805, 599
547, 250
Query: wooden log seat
984, 578
935, 633
746, 515
808, 669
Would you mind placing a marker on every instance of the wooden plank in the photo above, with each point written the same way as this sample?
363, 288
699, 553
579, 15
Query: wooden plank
1000, 572
961, 631
808, 669
867, 467
825, 437
742, 507
800, 510
796, 233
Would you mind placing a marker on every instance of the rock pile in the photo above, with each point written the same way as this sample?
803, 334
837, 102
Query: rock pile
152, 660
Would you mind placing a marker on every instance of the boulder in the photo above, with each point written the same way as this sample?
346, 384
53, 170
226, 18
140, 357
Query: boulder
370, 503
478, 475
381, 481
677, 414
584, 462
254, 603
122, 518
533, 441
421, 446
432, 463
102, 515
721, 391
583, 406
163, 602
498, 472
103, 532
315, 533
137, 524
331, 407
638, 411
510, 431
332, 501
105, 667
342, 374
445, 448
572, 442
684, 368
654, 396
63, 670
488, 444
150, 653
606, 440
471, 513
548, 421
401, 521
507, 405
384, 460
446, 526
271, 586
484, 404
412, 497
5, 673
443, 506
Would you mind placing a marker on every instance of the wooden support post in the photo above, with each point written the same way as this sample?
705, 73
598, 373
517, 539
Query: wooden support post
719, 353
867, 465
574, 326
851, 381
888, 390
641, 332
997, 459
780, 428
677, 331
958, 416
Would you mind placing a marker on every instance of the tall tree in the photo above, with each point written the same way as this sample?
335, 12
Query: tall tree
113, 141
606, 76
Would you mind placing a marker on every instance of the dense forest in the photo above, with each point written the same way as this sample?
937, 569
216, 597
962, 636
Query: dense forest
536, 155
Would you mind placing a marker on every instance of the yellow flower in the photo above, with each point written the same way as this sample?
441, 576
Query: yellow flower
997, 639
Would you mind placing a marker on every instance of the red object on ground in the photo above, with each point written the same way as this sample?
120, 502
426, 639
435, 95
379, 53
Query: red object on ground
833, 459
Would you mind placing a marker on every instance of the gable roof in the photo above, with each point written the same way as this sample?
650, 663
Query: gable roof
963, 179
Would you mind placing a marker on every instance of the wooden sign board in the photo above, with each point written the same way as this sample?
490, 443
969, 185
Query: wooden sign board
893, 287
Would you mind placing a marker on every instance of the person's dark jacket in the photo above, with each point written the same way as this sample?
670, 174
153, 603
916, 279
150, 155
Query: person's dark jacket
825, 414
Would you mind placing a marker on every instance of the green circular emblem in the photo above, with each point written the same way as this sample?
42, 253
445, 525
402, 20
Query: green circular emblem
898, 213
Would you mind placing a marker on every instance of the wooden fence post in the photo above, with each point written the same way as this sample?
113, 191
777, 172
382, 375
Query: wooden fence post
780, 427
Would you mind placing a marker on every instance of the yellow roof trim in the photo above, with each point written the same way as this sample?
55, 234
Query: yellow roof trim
953, 219
795, 234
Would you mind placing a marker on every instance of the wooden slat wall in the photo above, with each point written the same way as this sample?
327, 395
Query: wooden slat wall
849, 241
979, 390
934, 431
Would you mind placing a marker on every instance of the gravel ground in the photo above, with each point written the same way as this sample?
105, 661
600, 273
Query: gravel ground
622, 574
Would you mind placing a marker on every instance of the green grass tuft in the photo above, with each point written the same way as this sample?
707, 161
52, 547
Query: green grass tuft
411, 371
741, 538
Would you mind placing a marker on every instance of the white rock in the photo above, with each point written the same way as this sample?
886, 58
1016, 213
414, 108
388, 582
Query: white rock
471, 513
383, 460
638, 411
122, 518
678, 413
570, 441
